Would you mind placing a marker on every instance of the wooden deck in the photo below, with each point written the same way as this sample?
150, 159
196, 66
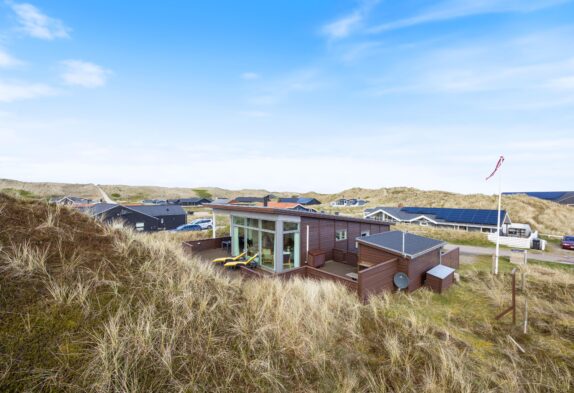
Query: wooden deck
338, 268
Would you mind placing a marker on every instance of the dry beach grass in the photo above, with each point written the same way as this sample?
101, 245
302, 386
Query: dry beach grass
86, 307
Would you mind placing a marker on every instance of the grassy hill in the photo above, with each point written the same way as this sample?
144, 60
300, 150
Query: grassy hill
86, 307
544, 216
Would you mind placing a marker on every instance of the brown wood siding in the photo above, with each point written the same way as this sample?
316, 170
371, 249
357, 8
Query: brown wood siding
447, 282
203, 244
351, 258
433, 283
451, 258
418, 267
439, 285
327, 237
353, 232
313, 237
377, 279
322, 237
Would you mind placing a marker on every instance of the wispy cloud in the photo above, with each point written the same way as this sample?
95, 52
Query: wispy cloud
15, 91
84, 74
452, 9
7, 60
37, 24
347, 24
250, 76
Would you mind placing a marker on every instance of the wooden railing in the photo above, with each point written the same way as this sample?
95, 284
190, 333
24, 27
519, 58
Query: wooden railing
322, 274
377, 279
204, 244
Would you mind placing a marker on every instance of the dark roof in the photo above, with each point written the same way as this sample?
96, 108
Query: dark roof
74, 199
148, 210
247, 199
565, 197
301, 201
158, 210
392, 241
441, 214
291, 212
97, 208
189, 200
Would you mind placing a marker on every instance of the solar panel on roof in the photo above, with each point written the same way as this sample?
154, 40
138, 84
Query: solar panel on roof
466, 216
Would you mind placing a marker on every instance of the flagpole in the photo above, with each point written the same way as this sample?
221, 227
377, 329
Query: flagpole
498, 222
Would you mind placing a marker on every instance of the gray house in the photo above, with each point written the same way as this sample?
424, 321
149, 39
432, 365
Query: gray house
144, 218
472, 220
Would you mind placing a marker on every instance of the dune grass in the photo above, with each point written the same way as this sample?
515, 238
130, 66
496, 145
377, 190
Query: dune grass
87, 307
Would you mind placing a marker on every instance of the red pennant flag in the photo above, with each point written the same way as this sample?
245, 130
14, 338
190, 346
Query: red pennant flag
498, 165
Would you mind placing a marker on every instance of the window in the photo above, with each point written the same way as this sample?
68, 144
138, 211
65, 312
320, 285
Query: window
253, 223
238, 220
365, 233
269, 225
140, 226
341, 234
290, 226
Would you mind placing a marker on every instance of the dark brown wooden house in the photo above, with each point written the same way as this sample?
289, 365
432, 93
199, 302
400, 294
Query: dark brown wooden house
286, 239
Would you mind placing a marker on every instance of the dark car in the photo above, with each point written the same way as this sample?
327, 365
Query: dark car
187, 227
567, 242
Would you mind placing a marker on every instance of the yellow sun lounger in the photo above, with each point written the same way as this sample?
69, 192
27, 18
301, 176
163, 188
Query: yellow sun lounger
229, 259
249, 262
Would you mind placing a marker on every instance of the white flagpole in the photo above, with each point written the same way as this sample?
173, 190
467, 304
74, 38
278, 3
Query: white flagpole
498, 221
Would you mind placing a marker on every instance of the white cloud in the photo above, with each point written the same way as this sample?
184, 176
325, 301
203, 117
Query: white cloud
452, 9
344, 26
15, 91
39, 25
249, 76
7, 61
83, 73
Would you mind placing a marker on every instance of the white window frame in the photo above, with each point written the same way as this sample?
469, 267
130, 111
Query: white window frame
340, 235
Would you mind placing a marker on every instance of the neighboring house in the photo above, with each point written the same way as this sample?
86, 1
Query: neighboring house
169, 216
246, 200
397, 251
154, 202
562, 197
348, 202
188, 201
221, 201
301, 201
144, 218
472, 220
70, 200
290, 206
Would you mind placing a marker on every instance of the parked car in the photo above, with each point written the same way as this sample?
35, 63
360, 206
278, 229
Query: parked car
204, 223
187, 227
567, 243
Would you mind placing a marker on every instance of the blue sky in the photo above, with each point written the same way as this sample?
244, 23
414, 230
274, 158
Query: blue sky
289, 95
